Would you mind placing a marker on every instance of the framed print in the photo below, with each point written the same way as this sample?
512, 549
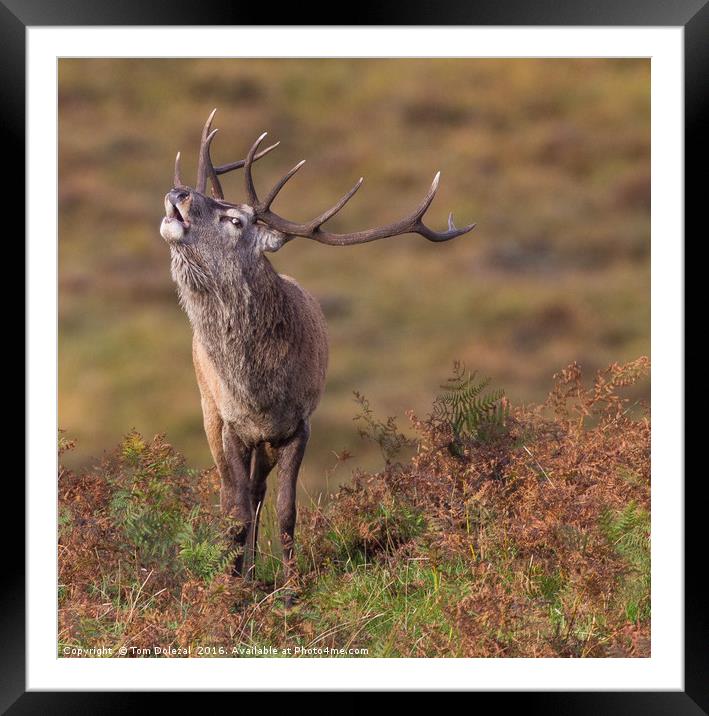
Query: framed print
498, 282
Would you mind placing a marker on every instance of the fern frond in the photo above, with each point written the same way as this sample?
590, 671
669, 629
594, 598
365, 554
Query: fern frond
465, 406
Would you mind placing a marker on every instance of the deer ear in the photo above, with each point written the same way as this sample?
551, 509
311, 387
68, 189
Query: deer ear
270, 240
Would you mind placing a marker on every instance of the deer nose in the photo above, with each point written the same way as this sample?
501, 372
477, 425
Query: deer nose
176, 196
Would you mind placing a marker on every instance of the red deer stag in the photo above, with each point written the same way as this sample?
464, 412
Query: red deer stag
259, 344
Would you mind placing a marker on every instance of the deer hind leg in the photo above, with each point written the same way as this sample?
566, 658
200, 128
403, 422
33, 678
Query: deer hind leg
236, 499
263, 458
290, 455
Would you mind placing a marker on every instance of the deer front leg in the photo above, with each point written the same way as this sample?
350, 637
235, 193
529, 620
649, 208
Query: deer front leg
290, 456
236, 499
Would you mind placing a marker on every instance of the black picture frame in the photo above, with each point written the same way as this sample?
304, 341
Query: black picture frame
692, 15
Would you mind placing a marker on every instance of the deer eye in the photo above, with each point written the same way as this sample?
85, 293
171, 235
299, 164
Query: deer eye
234, 220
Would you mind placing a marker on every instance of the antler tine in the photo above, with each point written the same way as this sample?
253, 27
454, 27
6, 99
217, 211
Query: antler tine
423, 206
209, 169
224, 168
420, 228
177, 179
204, 166
327, 215
248, 179
266, 203
452, 232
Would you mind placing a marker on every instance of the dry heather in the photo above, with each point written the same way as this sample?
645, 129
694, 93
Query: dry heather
512, 531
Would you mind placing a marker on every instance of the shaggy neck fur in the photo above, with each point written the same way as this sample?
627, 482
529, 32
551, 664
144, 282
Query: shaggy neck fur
240, 313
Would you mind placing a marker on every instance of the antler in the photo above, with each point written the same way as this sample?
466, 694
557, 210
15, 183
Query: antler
412, 224
205, 168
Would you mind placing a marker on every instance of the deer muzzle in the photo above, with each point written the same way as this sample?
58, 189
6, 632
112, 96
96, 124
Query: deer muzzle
176, 221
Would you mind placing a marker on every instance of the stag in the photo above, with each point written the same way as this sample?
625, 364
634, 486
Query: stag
260, 345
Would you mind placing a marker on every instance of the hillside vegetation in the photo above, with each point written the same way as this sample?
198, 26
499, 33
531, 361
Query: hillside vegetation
512, 531
551, 158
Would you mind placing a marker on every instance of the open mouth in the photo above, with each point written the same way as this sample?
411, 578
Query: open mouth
176, 224
176, 210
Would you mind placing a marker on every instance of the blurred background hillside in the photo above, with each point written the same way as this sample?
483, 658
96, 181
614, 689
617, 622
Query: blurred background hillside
550, 157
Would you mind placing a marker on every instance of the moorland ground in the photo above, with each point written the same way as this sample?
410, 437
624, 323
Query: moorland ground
514, 531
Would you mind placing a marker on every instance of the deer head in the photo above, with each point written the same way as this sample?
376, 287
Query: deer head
214, 227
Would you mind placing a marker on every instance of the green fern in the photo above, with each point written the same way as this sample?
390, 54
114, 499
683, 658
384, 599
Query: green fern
150, 508
202, 551
149, 518
628, 530
472, 411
